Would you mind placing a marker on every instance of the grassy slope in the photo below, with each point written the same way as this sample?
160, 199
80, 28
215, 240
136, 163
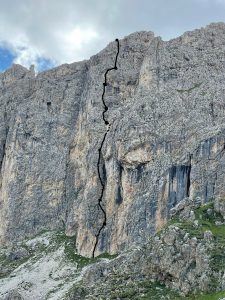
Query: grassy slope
146, 290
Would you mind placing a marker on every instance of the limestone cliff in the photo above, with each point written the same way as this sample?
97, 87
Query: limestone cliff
166, 142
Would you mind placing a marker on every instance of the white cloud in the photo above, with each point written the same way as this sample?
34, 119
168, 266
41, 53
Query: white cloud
62, 31
26, 54
76, 40
65, 46
68, 47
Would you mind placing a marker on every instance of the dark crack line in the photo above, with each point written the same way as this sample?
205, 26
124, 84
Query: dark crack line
100, 149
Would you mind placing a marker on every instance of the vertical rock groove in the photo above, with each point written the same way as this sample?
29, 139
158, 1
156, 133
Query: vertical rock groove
100, 149
188, 181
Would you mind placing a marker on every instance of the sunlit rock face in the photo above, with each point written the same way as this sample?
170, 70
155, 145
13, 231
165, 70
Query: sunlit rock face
166, 141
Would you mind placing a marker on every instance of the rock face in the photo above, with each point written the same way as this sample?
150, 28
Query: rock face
166, 142
187, 256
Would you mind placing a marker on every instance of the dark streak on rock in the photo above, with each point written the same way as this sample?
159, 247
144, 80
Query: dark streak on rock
3, 154
100, 150
188, 181
119, 193
119, 198
179, 183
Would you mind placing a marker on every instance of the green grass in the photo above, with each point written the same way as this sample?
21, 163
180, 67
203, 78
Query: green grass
107, 255
56, 240
120, 287
205, 221
77, 290
70, 250
156, 290
7, 266
216, 250
211, 296
143, 290
127, 293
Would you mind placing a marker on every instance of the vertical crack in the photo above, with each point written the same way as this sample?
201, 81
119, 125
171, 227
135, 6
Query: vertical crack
100, 149
4, 143
188, 178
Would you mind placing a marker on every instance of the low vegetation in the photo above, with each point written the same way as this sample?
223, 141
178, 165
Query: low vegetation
122, 286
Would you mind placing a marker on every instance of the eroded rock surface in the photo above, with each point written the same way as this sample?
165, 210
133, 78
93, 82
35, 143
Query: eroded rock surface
167, 139
184, 260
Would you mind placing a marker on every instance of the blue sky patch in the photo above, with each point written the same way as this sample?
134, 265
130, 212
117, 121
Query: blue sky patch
44, 64
6, 58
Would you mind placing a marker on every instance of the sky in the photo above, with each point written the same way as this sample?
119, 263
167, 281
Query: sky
48, 33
